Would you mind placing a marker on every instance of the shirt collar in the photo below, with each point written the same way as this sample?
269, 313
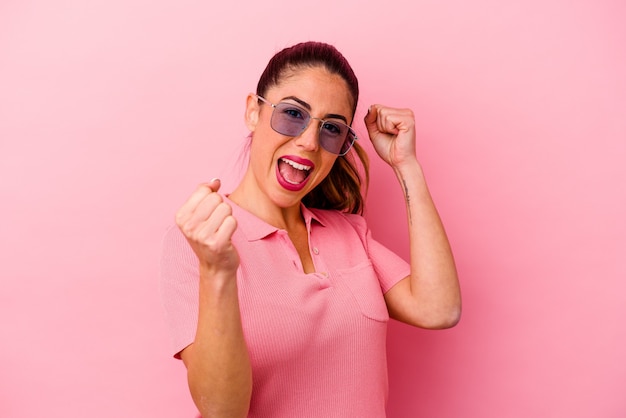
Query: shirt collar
254, 228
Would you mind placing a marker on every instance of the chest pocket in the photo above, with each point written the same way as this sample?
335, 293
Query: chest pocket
362, 282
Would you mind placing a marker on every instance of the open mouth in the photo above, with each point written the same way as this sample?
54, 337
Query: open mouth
293, 172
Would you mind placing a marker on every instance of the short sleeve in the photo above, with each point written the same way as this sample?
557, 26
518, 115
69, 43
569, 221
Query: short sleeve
179, 287
389, 267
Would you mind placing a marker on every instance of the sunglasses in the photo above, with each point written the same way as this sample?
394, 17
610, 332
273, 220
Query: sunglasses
291, 120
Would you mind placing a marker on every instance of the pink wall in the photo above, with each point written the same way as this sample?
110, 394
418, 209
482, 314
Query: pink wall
112, 111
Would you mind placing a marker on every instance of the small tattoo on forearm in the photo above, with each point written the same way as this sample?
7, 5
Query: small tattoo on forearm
408, 200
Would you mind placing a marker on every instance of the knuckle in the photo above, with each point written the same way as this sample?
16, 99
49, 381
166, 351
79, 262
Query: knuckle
215, 197
225, 208
210, 243
187, 230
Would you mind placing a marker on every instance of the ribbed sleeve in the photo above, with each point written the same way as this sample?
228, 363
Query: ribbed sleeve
179, 289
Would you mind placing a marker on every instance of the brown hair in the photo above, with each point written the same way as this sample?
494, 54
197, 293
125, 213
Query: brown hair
342, 187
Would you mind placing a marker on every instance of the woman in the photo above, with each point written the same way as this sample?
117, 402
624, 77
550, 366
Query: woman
277, 295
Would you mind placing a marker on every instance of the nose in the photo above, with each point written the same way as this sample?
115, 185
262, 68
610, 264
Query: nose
309, 138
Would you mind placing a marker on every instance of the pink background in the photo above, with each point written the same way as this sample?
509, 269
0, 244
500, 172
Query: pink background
112, 111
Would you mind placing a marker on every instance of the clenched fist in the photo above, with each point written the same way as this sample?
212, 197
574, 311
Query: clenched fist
207, 223
392, 132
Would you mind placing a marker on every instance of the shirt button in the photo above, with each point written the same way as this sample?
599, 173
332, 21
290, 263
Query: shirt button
316, 251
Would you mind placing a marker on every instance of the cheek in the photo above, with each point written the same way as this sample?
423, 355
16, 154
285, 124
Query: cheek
264, 143
263, 151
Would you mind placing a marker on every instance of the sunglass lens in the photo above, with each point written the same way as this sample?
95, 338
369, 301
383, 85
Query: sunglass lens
336, 137
289, 120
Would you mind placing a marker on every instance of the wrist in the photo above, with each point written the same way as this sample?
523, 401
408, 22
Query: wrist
408, 168
217, 279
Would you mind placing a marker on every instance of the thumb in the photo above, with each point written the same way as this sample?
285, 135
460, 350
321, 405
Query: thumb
214, 184
370, 118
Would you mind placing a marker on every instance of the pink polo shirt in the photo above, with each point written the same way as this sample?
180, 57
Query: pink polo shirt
317, 342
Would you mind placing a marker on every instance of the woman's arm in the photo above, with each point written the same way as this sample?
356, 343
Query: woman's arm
430, 297
218, 365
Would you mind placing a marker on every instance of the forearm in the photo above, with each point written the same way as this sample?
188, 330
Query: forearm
433, 282
218, 364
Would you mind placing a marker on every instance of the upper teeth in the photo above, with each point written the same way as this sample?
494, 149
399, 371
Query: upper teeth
296, 165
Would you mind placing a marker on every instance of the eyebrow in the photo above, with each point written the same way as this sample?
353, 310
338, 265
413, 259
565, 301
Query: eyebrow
308, 107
